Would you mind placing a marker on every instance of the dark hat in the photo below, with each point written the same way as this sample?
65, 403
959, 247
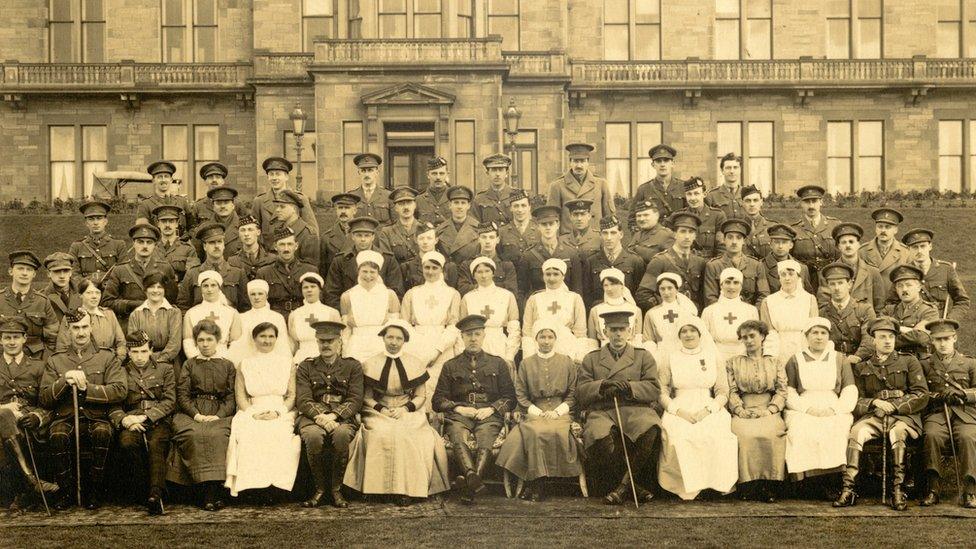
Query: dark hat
364, 224
459, 192
915, 236
749, 189
58, 261
887, 215
942, 327
328, 329
208, 231
616, 319
425, 227
276, 163
694, 183
883, 323
609, 222
90, 208
487, 227
161, 166
24, 257
497, 160
578, 205
807, 192
780, 230
685, 219
367, 160
137, 339
516, 195
222, 192
247, 219
74, 316
847, 228
213, 168
906, 272
662, 151
144, 230
288, 196
645, 205
471, 322
167, 211
579, 150
282, 232
546, 213
345, 199
436, 162
736, 225
401, 194
13, 325
837, 269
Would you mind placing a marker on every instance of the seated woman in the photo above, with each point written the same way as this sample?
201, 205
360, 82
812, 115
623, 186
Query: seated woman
260, 312
312, 310
787, 311
616, 297
367, 307
263, 450
201, 426
662, 321
699, 450
106, 332
559, 307
396, 451
820, 401
213, 307
542, 444
498, 306
757, 395
159, 318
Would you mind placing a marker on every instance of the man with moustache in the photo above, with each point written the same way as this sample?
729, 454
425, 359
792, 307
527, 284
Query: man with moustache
98, 251
262, 207
814, 245
491, 204
433, 204
581, 184
884, 252
374, 200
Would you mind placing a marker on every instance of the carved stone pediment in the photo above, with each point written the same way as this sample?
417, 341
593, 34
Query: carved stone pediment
407, 94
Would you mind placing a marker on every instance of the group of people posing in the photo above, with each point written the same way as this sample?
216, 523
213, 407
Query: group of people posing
425, 340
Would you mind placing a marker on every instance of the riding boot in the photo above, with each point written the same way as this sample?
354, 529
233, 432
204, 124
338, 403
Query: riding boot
36, 484
848, 497
65, 477
476, 481
899, 502
339, 461
932, 493
466, 470
320, 477
94, 500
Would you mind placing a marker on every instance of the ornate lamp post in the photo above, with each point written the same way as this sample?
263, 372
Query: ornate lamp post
512, 116
298, 118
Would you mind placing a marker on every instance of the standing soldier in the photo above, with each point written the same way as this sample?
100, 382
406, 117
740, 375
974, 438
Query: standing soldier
781, 239
283, 275
177, 253
262, 207
911, 311
123, 290
223, 202
374, 200
814, 245
758, 243
100, 381
611, 255
328, 395
343, 273
433, 205
679, 260
20, 299
413, 270
580, 234
162, 174
892, 391
492, 204
951, 378
941, 283
708, 243
665, 189
868, 285
459, 234
400, 237
98, 251
214, 174
335, 239
849, 319
581, 184
252, 255
650, 237
726, 196
522, 233
234, 286
505, 274
755, 283
529, 266
288, 208
884, 252
62, 290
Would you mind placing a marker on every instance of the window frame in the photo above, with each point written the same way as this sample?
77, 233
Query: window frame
79, 22
854, 22
410, 14
490, 17
637, 153
349, 153
79, 161
632, 28
855, 157
519, 166
190, 163
334, 24
189, 26
745, 152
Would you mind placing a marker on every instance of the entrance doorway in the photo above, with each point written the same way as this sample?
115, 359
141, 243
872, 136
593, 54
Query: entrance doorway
409, 145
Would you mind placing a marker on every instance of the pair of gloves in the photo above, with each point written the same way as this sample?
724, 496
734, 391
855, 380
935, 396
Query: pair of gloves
951, 395
615, 388
29, 422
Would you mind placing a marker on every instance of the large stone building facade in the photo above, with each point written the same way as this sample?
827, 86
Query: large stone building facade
857, 95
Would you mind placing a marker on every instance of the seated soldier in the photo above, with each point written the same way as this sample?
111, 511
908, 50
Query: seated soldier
474, 392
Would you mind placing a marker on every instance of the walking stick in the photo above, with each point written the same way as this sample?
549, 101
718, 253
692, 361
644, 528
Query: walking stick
145, 441
952, 444
623, 440
37, 475
74, 400
884, 462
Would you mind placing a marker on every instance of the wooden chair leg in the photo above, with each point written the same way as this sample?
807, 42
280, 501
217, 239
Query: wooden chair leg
519, 487
582, 484
507, 481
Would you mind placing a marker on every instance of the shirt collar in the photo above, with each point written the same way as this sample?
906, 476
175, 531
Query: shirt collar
10, 360
145, 305
97, 312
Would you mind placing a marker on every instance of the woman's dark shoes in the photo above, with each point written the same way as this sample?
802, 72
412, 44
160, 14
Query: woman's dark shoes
402, 501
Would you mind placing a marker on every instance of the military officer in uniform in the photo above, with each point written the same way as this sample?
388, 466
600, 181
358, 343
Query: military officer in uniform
505, 275
343, 273
492, 204
98, 251
620, 376
433, 204
941, 283
665, 189
459, 234
515, 238
849, 318
123, 290
580, 234
22, 300
549, 246
163, 195
814, 245
726, 196
413, 270
329, 396
884, 252
263, 208
708, 243
62, 290
283, 275
781, 239
252, 255
336, 238
951, 378
400, 237
650, 237
580, 184
757, 245
223, 202
911, 311
474, 392
678, 259
374, 200
177, 253
868, 285
100, 380
214, 174
755, 283
611, 255
892, 392
288, 207
234, 287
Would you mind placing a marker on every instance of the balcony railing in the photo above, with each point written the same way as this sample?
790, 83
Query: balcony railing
536, 64
125, 75
408, 54
281, 66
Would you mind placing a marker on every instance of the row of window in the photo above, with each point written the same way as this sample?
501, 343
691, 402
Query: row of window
632, 29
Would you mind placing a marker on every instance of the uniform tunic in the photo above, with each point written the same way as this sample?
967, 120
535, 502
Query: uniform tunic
513, 240
757, 244
564, 311
708, 239
377, 206
530, 267
868, 286
106, 332
95, 256
250, 264
145, 208
198, 452
914, 316
941, 282
123, 291
460, 242
365, 311
691, 269
669, 195
329, 388
723, 319
164, 327
637, 411
477, 380
308, 242
958, 370
726, 199
897, 254
433, 207
399, 241
106, 385
647, 243
567, 188
36, 309
755, 284
234, 285
432, 309
787, 315
300, 328
505, 276
815, 246
584, 242
492, 205
20, 385
284, 288
62, 301
849, 327
899, 380
263, 210
333, 242
757, 385
502, 333
627, 262
178, 254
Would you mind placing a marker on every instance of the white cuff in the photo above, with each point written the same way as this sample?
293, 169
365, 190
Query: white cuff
562, 409
534, 411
